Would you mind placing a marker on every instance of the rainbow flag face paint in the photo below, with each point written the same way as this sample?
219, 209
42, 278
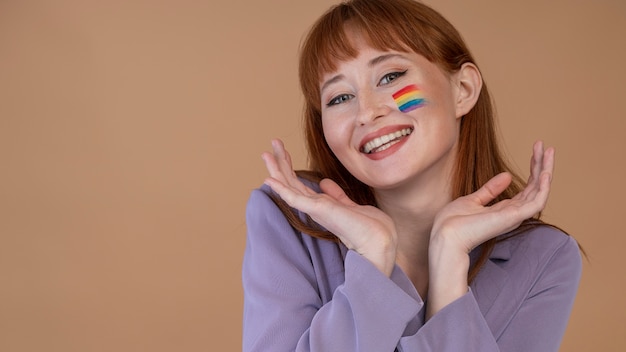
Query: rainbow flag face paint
409, 98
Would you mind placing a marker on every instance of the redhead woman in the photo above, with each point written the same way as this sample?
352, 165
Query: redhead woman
409, 232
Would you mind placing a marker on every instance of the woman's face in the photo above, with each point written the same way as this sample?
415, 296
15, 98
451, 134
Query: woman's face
380, 141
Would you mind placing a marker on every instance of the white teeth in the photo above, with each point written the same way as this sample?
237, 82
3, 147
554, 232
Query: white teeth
383, 142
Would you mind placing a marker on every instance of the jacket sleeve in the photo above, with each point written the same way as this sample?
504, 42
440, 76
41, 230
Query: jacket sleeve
459, 326
537, 324
283, 310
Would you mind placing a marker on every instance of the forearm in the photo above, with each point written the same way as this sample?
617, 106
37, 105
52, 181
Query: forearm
368, 312
448, 269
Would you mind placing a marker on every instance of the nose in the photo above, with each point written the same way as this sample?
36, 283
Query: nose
372, 105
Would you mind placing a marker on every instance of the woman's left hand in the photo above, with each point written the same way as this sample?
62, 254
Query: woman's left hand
469, 221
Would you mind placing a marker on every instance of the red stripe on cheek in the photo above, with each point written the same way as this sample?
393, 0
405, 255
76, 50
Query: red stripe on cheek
407, 89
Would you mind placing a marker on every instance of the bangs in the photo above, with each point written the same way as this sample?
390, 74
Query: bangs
395, 25
339, 46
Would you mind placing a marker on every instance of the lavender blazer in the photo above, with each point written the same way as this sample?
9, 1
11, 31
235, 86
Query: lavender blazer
306, 294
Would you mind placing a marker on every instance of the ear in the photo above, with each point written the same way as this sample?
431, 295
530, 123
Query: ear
468, 82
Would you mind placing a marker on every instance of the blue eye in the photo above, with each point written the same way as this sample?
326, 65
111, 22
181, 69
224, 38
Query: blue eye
340, 99
388, 78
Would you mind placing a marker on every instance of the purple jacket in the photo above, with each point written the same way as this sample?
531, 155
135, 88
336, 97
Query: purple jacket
306, 294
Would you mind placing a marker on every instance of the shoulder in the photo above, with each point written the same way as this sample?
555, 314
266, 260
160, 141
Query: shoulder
264, 219
538, 245
537, 254
261, 205
276, 248
529, 277
269, 227
270, 238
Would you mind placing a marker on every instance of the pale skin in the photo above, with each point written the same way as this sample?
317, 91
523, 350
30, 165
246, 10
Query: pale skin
417, 225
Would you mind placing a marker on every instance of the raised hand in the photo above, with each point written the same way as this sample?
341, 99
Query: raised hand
365, 229
472, 222
468, 221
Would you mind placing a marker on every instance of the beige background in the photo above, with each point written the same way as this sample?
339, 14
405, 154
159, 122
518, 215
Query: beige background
131, 133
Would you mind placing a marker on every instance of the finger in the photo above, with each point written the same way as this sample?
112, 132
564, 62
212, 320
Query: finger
548, 161
281, 153
332, 189
543, 168
271, 164
490, 190
283, 158
280, 167
536, 161
536, 196
286, 166
319, 206
545, 178
291, 195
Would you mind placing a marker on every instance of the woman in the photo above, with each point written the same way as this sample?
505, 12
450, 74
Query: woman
410, 232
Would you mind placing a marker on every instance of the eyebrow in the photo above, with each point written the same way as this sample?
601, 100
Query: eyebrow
377, 60
331, 81
373, 62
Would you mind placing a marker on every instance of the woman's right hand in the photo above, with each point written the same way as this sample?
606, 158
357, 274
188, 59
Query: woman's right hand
362, 228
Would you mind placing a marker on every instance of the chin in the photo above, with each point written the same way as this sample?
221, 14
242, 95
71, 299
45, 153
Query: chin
386, 184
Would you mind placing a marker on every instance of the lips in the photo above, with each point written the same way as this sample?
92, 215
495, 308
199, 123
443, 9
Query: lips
384, 141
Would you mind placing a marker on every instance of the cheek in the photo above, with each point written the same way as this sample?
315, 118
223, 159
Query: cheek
331, 134
337, 134
409, 98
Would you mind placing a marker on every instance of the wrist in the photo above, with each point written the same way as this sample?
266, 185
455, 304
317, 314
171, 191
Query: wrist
448, 267
381, 254
446, 254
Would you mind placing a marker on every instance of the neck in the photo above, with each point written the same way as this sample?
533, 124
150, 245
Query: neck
413, 209
414, 203
413, 213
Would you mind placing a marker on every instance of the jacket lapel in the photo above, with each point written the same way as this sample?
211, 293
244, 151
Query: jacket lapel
489, 285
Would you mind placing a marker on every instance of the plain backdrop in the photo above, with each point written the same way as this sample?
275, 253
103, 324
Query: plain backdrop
131, 134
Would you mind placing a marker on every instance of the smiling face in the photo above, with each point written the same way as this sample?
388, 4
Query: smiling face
380, 142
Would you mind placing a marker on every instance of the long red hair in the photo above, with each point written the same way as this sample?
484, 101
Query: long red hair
400, 25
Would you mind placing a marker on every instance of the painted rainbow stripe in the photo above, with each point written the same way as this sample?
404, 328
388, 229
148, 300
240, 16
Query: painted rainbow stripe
409, 98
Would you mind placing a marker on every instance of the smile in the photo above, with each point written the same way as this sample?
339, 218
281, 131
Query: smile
381, 143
